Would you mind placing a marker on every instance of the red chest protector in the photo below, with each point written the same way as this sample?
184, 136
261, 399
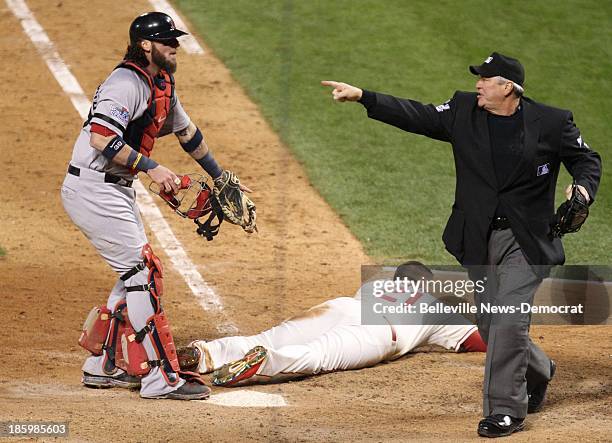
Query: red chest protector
140, 134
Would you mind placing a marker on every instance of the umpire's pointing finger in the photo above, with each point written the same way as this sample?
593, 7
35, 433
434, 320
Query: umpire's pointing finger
337, 91
343, 92
330, 83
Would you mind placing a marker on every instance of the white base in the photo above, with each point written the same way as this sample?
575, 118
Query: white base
247, 399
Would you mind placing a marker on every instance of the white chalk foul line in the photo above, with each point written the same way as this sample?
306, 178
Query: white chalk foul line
204, 293
188, 42
56, 65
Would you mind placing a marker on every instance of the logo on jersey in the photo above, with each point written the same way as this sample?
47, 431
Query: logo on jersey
116, 144
581, 143
121, 114
443, 107
543, 169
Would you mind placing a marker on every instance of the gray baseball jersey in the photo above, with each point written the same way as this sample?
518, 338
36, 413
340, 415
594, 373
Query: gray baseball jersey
122, 97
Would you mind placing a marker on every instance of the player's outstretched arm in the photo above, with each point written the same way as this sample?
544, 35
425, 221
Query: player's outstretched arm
115, 149
343, 92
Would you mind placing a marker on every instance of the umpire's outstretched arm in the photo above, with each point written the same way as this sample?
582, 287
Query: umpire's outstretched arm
408, 115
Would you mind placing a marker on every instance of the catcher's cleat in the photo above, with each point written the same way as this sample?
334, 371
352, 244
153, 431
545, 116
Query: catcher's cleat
123, 380
190, 390
240, 370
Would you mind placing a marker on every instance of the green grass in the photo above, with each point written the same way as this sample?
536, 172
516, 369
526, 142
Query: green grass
2, 252
393, 189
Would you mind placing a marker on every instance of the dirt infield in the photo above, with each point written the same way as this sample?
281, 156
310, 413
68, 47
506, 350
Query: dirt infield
303, 254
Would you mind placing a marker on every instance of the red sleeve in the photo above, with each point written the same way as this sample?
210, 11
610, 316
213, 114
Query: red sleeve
102, 130
474, 343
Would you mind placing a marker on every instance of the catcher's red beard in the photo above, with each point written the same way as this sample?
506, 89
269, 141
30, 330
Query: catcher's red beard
161, 61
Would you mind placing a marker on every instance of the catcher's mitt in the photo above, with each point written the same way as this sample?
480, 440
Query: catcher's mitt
237, 207
571, 214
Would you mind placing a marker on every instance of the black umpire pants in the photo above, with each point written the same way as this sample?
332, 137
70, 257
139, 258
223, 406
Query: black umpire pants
514, 363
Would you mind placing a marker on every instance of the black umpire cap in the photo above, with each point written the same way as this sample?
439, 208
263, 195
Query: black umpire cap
154, 26
502, 65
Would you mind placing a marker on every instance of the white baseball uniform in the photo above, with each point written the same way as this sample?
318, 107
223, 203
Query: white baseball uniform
107, 212
329, 337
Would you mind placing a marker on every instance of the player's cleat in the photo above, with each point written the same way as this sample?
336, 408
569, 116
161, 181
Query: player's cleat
188, 391
123, 380
499, 425
538, 394
240, 370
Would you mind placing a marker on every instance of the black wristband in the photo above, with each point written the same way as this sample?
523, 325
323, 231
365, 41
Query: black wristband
195, 141
113, 147
209, 164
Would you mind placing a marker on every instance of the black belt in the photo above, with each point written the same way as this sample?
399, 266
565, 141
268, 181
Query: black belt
500, 223
108, 178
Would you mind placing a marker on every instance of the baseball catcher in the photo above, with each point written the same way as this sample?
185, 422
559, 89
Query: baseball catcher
129, 337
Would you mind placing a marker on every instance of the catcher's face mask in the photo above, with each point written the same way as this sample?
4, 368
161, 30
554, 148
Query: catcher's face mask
194, 200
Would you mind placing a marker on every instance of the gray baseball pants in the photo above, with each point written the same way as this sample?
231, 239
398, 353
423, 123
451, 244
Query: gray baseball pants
108, 216
513, 363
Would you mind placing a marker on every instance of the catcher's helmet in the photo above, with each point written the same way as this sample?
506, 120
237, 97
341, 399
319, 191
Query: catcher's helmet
155, 26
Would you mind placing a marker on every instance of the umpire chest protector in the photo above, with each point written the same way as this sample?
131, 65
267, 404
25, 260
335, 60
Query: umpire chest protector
141, 133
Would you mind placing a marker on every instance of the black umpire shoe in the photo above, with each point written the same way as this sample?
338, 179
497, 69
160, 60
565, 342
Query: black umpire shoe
538, 394
499, 425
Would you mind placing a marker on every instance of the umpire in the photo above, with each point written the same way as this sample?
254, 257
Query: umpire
508, 150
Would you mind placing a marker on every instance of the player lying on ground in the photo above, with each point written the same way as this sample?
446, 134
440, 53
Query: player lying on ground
327, 337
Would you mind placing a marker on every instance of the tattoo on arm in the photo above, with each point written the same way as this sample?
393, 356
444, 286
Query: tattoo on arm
200, 151
184, 135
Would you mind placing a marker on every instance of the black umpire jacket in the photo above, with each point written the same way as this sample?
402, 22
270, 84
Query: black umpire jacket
549, 138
